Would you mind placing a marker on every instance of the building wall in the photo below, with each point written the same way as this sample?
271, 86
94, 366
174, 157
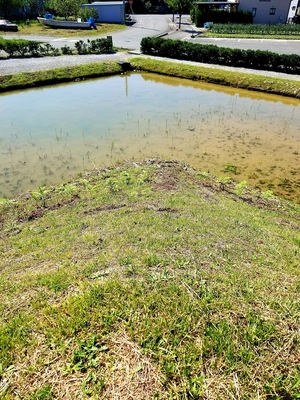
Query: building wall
267, 11
109, 12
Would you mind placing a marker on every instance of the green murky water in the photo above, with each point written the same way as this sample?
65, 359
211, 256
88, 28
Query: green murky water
49, 135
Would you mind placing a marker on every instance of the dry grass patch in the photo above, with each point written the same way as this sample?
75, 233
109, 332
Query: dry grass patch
133, 376
41, 373
122, 373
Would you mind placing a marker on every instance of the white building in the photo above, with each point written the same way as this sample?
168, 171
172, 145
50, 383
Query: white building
266, 11
263, 11
293, 10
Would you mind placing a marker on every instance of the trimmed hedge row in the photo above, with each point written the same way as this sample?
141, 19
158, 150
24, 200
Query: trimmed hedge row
30, 48
211, 54
257, 29
20, 47
199, 17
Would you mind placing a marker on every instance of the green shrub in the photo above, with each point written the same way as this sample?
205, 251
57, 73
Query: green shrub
66, 50
100, 46
81, 47
34, 48
48, 50
86, 13
2, 41
97, 46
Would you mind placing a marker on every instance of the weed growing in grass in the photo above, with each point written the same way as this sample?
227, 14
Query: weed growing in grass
45, 393
112, 146
13, 336
225, 179
231, 168
40, 196
152, 261
240, 188
86, 354
112, 184
57, 282
69, 189
268, 194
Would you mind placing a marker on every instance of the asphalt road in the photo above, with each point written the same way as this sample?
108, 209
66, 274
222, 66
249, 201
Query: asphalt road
156, 25
130, 38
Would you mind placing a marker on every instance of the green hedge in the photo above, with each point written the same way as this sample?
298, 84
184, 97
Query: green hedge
26, 48
30, 48
19, 47
257, 29
199, 17
211, 54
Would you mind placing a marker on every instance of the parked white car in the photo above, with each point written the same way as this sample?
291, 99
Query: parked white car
5, 25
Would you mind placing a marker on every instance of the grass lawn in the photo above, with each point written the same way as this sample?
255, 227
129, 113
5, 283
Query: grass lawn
38, 29
149, 280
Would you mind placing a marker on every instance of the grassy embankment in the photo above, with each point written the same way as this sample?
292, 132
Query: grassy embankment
248, 81
57, 75
149, 281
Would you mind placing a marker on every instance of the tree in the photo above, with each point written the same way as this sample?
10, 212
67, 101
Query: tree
64, 8
171, 4
86, 12
180, 6
7, 6
35, 7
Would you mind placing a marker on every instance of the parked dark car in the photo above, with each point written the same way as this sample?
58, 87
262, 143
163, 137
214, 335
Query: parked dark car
7, 26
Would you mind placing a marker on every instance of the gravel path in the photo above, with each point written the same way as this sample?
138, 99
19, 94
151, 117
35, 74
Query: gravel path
14, 65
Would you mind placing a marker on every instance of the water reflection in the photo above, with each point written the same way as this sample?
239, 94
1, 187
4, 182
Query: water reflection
48, 135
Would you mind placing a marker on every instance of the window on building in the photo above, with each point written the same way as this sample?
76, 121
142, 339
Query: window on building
254, 11
264, 0
272, 11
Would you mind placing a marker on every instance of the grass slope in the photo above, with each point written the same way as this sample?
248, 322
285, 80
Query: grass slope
58, 75
249, 81
283, 87
149, 280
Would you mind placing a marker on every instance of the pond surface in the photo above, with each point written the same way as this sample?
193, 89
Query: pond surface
49, 135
